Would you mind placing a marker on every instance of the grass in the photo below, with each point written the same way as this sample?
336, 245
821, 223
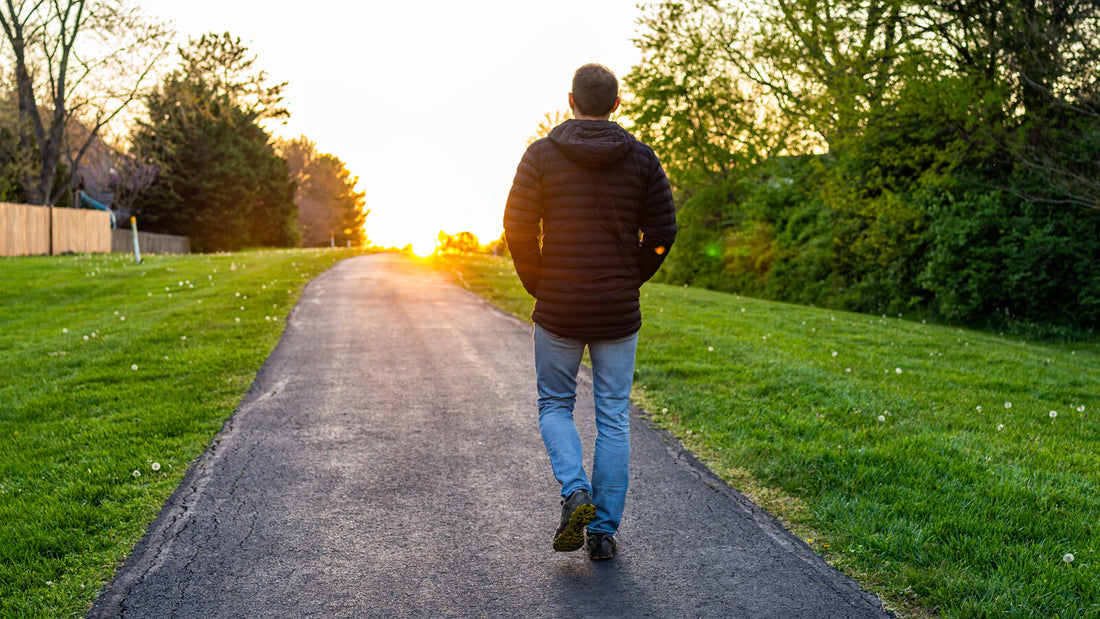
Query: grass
115, 376
951, 472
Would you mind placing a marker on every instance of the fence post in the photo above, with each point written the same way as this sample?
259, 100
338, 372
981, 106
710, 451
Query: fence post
137, 246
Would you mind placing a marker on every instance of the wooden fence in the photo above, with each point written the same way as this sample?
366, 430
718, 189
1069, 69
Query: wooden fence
122, 241
25, 230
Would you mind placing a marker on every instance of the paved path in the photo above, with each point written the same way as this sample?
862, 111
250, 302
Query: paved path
387, 462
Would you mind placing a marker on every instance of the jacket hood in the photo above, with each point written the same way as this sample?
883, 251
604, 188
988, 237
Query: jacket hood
592, 143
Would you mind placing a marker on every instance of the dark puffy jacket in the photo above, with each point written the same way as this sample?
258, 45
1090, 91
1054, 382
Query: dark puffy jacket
607, 223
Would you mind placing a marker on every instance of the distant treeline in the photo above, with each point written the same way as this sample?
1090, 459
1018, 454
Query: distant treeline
938, 158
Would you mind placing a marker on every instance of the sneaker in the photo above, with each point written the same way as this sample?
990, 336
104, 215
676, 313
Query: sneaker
601, 546
576, 512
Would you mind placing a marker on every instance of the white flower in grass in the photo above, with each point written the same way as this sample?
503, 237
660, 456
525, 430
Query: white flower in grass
847, 369
1000, 427
237, 319
155, 466
882, 417
1053, 414
979, 407
85, 338
64, 330
664, 410
897, 370
133, 367
136, 473
835, 353
1008, 404
238, 294
122, 318
116, 312
1068, 557
709, 348
1081, 409
183, 337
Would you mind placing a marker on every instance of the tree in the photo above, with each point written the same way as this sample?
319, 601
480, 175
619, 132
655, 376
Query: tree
220, 181
330, 210
547, 124
459, 243
73, 61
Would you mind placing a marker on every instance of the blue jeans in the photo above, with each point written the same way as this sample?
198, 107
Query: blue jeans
557, 361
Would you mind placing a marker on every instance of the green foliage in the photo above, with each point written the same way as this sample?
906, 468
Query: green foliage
995, 258
330, 210
922, 460
944, 153
116, 376
220, 181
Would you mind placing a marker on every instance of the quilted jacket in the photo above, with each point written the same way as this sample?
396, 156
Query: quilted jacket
589, 219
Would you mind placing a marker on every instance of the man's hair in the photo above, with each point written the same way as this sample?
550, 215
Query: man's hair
595, 89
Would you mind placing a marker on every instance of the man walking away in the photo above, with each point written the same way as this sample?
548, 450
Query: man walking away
589, 219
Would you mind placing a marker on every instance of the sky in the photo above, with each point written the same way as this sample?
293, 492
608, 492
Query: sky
430, 103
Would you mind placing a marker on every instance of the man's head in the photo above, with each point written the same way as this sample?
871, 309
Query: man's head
595, 92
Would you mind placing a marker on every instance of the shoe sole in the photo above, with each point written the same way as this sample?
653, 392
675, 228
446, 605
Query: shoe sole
572, 537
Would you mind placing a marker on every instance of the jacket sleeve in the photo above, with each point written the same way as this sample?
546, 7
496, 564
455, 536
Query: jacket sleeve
523, 222
657, 223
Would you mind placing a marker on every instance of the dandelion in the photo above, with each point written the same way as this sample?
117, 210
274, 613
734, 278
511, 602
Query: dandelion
133, 367
1081, 409
847, 369
237, 319
136, 473
709, 348
882, 417
664, 410
742, 309
155, 466
238, 294
1008, 404
1053, 414
122, 318
85, 338
979, 407
897, 370
835, 353
183, 337
1000, 427
64, 330
1068, 557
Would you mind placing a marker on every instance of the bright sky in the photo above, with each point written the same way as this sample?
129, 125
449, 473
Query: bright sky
430, 103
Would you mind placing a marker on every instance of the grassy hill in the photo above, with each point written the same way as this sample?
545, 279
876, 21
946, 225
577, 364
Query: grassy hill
952, 472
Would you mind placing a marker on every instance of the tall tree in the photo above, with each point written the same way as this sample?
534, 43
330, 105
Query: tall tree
73, 61
220, 181
330, 210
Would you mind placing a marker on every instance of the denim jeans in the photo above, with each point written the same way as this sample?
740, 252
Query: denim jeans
557, 361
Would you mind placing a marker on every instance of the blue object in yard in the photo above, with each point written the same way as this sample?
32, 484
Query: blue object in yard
87, 200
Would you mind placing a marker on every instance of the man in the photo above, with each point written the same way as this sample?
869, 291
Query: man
589, 219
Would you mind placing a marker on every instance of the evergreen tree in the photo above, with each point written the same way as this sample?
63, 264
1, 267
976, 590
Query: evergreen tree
219, 179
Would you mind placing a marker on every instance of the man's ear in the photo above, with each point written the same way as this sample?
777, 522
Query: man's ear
572, 106
616, 106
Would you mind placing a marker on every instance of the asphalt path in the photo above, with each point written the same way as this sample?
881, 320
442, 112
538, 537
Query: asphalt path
387, 463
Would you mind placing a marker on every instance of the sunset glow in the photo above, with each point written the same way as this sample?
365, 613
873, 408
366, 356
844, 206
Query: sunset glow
430, 104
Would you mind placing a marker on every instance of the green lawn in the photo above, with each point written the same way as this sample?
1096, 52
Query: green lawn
951, 472
114, 377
